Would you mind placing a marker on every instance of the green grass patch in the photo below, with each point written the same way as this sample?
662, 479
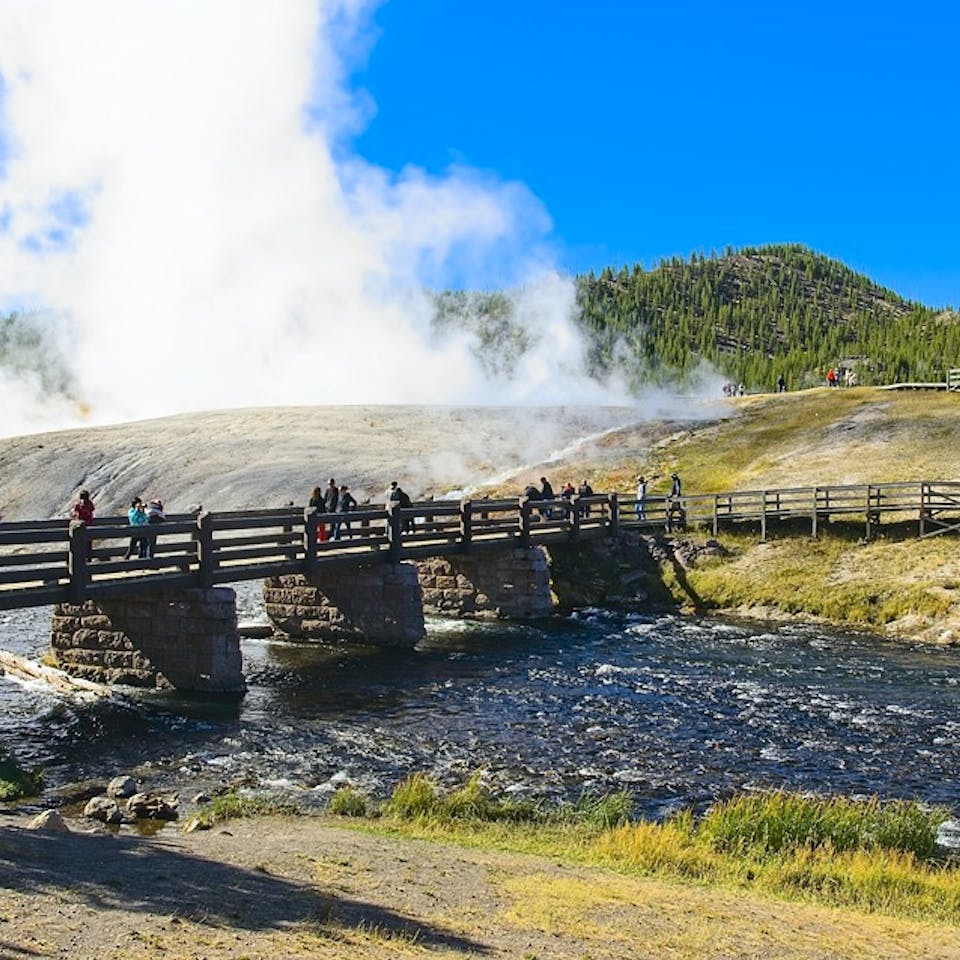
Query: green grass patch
16, 781
871, 855
233, 804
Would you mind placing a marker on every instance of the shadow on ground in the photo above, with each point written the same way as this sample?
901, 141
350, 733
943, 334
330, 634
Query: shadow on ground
107, 872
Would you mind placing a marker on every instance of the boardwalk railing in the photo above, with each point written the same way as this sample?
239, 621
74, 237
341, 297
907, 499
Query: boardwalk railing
54, 561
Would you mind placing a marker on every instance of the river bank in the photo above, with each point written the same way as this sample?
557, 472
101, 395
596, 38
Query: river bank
312, 887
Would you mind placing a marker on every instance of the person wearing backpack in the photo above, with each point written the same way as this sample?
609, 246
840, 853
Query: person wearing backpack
155, 515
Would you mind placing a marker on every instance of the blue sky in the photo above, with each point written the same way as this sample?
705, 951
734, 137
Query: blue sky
650, 129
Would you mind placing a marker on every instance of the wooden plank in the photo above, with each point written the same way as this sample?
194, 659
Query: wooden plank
33, 597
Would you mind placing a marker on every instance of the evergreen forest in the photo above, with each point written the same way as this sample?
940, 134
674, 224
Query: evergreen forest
750, 315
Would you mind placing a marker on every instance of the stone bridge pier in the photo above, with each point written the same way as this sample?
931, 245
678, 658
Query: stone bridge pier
180, 639
383, 604
377, 603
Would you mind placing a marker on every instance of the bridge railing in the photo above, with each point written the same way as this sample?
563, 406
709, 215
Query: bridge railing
53, 561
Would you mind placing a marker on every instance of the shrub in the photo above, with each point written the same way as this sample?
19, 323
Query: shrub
15, 781
348, 802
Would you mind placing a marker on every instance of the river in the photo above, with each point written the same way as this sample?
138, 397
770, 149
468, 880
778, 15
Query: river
677, 711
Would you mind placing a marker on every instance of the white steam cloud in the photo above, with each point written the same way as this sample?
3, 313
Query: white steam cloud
177, 203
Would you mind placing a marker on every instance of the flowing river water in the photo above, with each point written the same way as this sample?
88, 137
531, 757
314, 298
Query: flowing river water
677, 711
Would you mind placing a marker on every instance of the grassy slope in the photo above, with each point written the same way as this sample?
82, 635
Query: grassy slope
899, 584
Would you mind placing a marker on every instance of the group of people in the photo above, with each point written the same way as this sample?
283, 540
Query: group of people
841, 375
141, 514
334, 499
545, 492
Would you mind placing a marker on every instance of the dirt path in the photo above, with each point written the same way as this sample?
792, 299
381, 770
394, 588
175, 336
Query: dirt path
307, 887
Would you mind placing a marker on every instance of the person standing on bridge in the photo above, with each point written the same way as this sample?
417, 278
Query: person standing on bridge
137, 517
641, 497
155, 515
585, 490
83, 510
345, 503
331, 497
318, 504
546, 493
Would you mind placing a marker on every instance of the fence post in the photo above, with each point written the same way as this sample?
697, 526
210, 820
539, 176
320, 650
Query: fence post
574, 516
614, 505
924, 502
716, 514
813, 531
524, 533
205, 555
869, 514
466, 525
77, 565
310, 540
763, 516
394, 531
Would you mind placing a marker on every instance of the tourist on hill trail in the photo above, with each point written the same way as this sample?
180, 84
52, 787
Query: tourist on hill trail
83, 510
155, 515
831, 377
318, 504
585, 490
345, 503
781, 384
137, 517
641, 497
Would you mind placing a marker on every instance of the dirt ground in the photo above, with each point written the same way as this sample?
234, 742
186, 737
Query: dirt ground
282, 887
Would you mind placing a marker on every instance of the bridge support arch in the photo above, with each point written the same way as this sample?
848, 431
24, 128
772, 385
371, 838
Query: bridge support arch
377, 603
181, 639
509, 584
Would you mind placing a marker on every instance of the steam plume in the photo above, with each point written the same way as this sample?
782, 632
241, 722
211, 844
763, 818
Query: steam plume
178, 209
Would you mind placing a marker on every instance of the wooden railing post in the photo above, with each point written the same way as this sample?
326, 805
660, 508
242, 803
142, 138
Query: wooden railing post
394, 531
524, 522
763, 516
205, 555
466, 524
77, 565
310, 540
574, 516
924, 506
614, 506
814, 529
716, 514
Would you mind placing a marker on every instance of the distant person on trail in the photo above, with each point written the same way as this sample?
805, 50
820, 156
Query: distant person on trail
137, 517
345, 503
831, 377
641, 497
781, 384
83, 510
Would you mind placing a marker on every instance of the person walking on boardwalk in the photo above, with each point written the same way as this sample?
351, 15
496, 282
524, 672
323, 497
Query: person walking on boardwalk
83, 510
137, 517
674, 486
345, 503
641, 497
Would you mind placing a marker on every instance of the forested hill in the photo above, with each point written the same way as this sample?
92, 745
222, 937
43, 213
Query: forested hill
756, 313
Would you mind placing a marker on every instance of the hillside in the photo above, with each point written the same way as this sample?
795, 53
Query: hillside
757, 313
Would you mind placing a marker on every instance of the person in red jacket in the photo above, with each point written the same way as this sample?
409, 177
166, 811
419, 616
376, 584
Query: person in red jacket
83, 510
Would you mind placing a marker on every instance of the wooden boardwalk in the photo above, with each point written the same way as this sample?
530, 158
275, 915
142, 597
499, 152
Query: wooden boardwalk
46, 561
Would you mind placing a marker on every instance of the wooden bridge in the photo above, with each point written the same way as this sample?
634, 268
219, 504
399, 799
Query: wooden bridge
58, 561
